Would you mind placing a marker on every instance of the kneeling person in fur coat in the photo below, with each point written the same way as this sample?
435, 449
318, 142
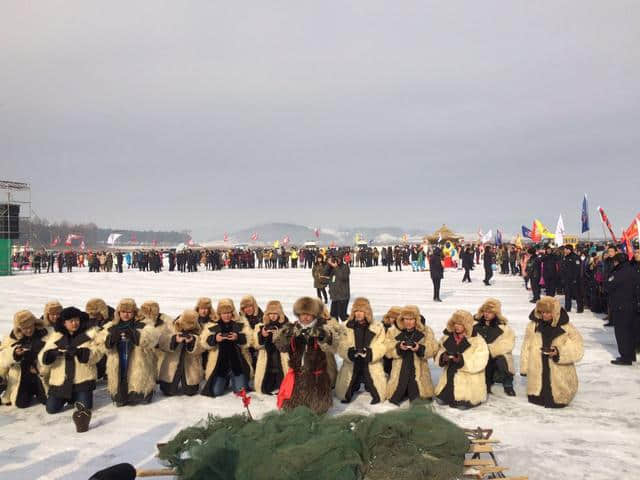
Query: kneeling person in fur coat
492, 326
130, 340
551, 347
389, 323
99, 315
362, 348
410, 344
308, 342
71, 354
227, 345
181, 365
464, 358
271, 363
19, 361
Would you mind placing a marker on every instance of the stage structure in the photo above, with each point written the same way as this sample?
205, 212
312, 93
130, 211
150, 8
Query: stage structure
15, 213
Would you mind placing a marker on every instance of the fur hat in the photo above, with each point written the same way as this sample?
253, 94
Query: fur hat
51, 307
548, 304
392, 314
150, 310
324, 311
409, 311
491, 305
249, 300
21, 320
361, 304
125, 305
97, 306
187, 322
461, 317
72, 312
307, 305
274, 306
204, 302
226, 305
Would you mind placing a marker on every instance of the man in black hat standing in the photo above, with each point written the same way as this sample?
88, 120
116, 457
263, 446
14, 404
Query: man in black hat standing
571, 274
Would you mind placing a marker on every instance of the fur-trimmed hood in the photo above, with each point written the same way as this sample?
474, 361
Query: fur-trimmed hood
274, 306
49, 308
307, 305
361, 304
549, 304
462, 317
249, 300
125, 305
187, 322
150, 310
491, 305
21, 320
410, 311
205, 302
391, 316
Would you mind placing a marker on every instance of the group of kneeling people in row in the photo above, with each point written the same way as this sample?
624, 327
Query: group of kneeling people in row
58, 358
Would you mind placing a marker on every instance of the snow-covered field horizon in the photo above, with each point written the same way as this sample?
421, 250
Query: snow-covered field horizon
594, 438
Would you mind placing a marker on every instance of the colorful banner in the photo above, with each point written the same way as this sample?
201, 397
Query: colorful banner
605, 220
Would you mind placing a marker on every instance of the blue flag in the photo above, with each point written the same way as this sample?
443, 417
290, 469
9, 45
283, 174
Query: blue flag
585, 215
498, 237
526, 232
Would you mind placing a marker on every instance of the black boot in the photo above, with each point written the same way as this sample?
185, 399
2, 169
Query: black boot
81, 417
508, 389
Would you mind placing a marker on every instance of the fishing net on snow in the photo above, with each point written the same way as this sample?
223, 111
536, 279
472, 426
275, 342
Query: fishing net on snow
409, 444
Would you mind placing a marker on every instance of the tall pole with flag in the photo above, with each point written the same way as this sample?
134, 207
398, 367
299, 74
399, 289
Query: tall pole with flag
584, 218
559, 238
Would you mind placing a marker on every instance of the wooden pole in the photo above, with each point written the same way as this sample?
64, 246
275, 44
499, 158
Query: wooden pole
160, 472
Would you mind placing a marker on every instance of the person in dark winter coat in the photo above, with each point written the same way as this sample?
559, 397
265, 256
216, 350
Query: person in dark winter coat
320, 273
181, 365
551, 348
339, 288
19, 361
72, 354
436, 270
410, 344
550, 271
623, 288
362, 347
488, 260
308, 342
533, 273
492, 326
467, 264
227, 343
572, 279
271, 364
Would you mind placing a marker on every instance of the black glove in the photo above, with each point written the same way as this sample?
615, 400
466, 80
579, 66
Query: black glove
351, 353
82, 354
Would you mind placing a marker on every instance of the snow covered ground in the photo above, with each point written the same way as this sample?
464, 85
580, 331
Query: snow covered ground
596, 437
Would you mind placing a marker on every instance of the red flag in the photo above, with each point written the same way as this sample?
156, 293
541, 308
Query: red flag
605, 220
632, 231
254, 236
627, 241
317, 232
536, 236
225, 238
55, 241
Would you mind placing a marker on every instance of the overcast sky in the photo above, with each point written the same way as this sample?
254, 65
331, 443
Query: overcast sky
214, 116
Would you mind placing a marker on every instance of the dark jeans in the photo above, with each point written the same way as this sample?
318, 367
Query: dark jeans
55, 404
30, 387
467, 276
436, 288
339, 309
573, 291
219, 384
322, 293
626, 332
488, 273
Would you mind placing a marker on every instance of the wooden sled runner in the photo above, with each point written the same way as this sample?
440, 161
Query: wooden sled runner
482, 468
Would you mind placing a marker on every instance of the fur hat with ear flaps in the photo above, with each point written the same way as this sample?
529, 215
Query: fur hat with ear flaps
361, 304
391, 315
409, 311
461, 317
307, 305
249, 300
97, 306
547, 304
226, 305
23, 319
187, 322
324, 311
125, 305
205, 302
491, 305
274, 306
150, 310
50, 307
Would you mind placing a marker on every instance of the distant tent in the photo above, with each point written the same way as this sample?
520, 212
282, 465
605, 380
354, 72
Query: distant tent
444, 234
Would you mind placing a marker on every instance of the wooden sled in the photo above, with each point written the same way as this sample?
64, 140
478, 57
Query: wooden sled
482, 468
